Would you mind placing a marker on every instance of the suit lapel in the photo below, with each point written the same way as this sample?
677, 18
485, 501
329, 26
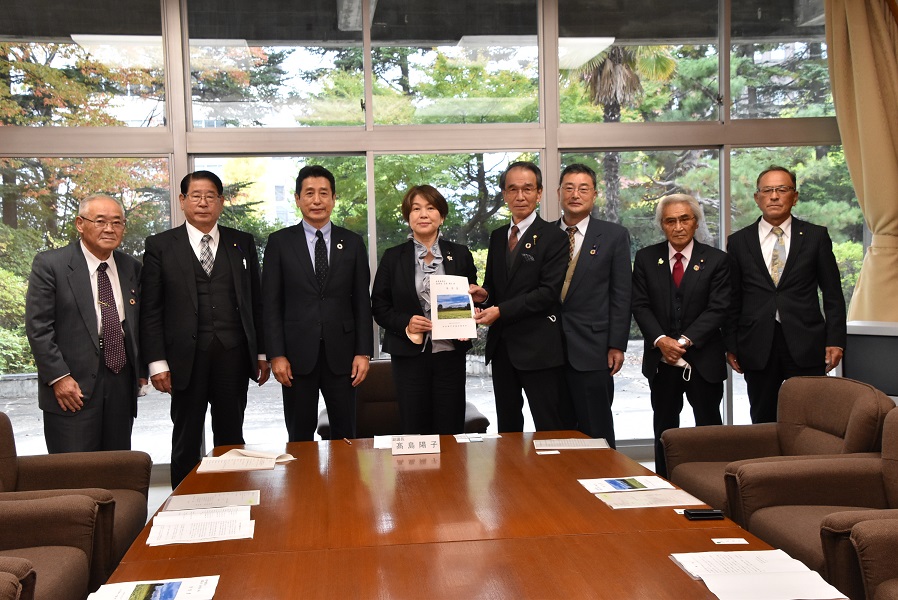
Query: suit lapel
500, 247
185, 257
690, 273
301, 248
449, 266
754, 249
663, 279
230, 250
79, 282
527, 244
795, 244
128, 285
338, 252
589, 253
407, 265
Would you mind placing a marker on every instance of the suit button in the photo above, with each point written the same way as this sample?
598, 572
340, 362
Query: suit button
193, 336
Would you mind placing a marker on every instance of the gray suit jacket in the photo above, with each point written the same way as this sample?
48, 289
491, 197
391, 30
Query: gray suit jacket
61, 321
595, 315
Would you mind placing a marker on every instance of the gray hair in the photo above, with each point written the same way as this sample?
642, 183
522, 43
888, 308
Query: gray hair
677, 199
85, 202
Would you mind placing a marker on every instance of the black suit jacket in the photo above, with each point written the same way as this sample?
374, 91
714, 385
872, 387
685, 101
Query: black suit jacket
169, 320
810, 265
595, 315
298, 314
61, 321
706, 296
394, 299
528, 295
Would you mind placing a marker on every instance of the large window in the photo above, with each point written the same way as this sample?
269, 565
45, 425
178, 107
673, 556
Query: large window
89, 64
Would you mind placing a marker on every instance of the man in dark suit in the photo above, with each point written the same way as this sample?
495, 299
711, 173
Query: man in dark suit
776, 329
681, 291
319, 331
521, 291
201, 321
595, 312
81, 316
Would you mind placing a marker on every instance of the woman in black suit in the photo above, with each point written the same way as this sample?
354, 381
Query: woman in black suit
429, 374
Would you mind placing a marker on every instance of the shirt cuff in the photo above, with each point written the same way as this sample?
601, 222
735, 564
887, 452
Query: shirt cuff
158, 366
52, 383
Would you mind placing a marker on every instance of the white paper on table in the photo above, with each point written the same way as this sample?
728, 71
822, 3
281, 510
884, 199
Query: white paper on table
213, 500
649, 499
221, 464
807, 585
189, 588
700, 564
451, 308
464, 438
278, 458
383, 442
571, 444
635, 483
191, 533
200, 515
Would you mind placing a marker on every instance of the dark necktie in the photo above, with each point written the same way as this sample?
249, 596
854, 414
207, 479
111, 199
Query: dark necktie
572, 242
206, 254
513, 238
678, 269
320, 259
113, 339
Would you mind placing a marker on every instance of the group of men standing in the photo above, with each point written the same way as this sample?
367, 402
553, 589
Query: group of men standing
200, 320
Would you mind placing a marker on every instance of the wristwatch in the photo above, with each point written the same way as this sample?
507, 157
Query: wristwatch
683, 341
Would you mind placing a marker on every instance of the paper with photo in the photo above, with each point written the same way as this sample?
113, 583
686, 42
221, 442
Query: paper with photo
625, 484
189, 588
451, 308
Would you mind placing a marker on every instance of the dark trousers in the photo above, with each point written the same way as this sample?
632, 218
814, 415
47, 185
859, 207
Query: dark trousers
431, 391
219, 379
591, 394
103, 423
668, 387
764, 386
544, 394
301, 402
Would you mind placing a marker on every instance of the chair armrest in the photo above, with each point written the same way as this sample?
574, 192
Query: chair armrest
113, 469
719, 443
17, 578
875, 543
57, 521
842, 567
838, 482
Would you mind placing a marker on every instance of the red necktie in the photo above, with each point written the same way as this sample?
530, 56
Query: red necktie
513, 238
678, 269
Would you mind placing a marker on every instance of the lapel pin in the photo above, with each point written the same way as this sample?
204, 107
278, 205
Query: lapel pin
528, 244
660, 261
244, 264
133, 302
449, 257
593, 251
695, 268
339, 245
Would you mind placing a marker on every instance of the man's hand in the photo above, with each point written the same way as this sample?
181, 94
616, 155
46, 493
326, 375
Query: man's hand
280, 368
263, 372
162, 381
478, 294
615, 360
360, 364
670, 349
68, 394
731, 358
833, 357
486, 316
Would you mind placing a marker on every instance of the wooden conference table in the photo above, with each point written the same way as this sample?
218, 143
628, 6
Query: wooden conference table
485, 519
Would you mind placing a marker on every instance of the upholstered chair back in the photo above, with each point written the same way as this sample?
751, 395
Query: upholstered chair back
830, 415
890, 458
8, 464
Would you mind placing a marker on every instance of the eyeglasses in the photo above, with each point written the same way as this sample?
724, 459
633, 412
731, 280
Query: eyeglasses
526, 190
779, 189
197, 198
101, 224
672, 221
584, 190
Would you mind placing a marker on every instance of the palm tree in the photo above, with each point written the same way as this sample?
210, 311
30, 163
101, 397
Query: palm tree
614, 80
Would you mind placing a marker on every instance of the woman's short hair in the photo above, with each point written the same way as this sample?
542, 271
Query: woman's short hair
429, 194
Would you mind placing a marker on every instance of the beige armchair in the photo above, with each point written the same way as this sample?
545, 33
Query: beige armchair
46, 544
809, 507
118, 481
816, 416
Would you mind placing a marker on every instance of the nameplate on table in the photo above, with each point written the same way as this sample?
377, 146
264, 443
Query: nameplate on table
416, 444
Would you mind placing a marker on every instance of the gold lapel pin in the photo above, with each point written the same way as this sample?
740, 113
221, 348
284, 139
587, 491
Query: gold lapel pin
695, 268
660, 261
527, 245
133, 301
